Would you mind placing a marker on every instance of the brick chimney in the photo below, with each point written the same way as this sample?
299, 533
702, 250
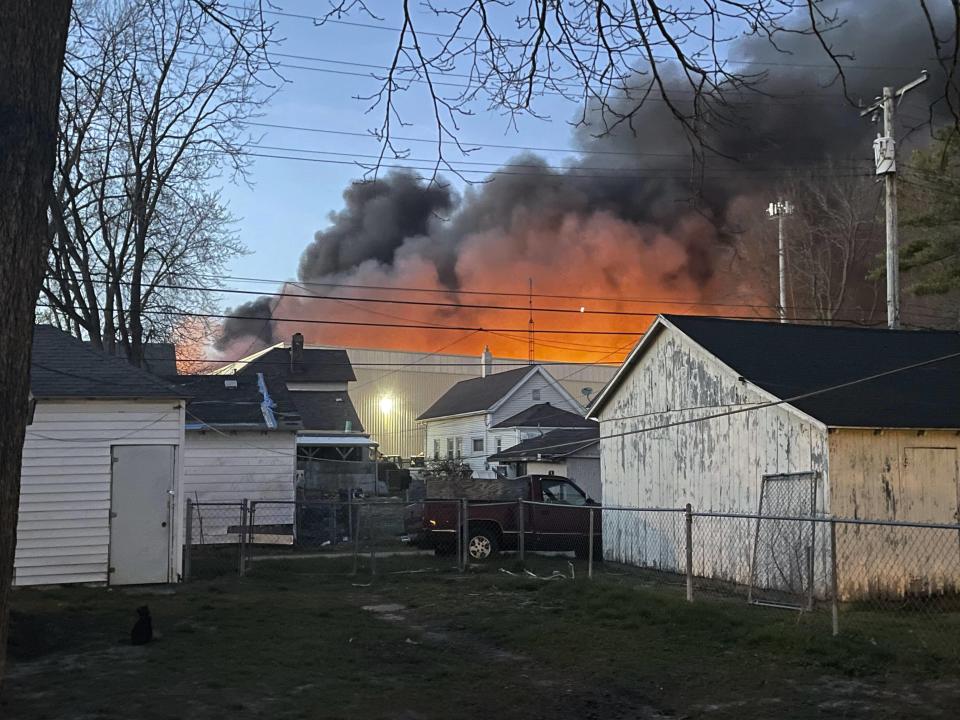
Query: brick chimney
486, 362
296, 353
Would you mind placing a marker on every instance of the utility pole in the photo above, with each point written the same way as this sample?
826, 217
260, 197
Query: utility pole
779, 210
885, 157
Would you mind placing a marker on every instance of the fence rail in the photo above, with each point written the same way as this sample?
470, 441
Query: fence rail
850, 567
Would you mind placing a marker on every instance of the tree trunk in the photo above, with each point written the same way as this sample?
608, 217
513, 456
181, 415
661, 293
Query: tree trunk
32, 39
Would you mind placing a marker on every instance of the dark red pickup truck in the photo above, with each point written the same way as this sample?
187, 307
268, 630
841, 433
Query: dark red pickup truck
557, 519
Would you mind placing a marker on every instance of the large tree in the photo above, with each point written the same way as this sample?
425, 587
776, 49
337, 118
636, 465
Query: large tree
154, 100
32, 38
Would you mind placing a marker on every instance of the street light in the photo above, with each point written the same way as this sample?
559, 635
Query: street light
779, 210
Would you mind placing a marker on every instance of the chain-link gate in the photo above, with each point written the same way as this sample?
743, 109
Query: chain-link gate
782, 565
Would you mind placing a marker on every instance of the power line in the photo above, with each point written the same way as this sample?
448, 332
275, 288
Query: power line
569, 173
482, 306
470, 145
475, 306
612, 171
319, 21
220, 316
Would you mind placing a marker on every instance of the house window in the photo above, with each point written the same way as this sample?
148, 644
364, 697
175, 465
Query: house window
536, 396
478, 445
436, 448
459, 448
449, 448
499, 444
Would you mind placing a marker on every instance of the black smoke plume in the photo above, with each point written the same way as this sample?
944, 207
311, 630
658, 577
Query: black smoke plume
799, 120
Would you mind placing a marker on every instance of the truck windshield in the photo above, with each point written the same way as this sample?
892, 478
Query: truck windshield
560, 491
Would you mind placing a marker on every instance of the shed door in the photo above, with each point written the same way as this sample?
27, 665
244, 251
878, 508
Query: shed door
140, 509
930, 490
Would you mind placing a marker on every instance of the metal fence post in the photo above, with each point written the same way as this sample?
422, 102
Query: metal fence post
521, 541
188, 541
356, 538
244, 519
251, 515
459, 536
590, 548
688, 517
834, 591
465, 542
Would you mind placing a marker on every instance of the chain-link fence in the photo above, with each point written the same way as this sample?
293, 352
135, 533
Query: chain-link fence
885, 580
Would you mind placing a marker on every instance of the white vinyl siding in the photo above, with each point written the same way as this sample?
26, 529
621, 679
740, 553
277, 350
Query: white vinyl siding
448, 430
63, 533
522, 398
251, 465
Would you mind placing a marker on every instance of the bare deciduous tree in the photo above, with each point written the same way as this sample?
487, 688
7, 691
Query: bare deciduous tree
611, 58
832, 241
154, 99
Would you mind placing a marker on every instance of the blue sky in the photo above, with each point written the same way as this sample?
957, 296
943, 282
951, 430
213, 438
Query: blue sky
290, 200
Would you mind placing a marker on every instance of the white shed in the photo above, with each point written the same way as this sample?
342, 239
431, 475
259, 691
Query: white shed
101, 484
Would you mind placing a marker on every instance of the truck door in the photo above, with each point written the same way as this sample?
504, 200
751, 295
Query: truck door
561, 521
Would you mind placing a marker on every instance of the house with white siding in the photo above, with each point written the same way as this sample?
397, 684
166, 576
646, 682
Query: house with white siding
334, 452
570, 452
101, 492
465, 423
240, 444
848, 422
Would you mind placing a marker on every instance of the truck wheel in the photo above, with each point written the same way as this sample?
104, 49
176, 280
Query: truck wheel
483, 544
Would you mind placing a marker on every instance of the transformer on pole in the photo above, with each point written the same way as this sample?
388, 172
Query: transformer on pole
885, 159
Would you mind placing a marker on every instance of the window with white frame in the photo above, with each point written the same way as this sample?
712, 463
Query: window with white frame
536, 395
478, 445
449, 448
499, 444
436, 448
459, 448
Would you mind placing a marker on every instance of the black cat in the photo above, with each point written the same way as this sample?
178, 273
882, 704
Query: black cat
142, 632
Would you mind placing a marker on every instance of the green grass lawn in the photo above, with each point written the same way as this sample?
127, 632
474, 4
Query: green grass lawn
299, 639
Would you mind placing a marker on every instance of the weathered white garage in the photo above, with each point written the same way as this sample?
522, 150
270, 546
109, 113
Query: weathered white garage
101, 485
704, 408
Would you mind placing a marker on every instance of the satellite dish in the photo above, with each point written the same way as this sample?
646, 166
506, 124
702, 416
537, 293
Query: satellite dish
587, 392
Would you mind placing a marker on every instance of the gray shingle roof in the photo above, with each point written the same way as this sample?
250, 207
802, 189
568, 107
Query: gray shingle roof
65, 367
213, 402
554, 444
326, 411
547, 416
788, 360
319, 365
474, 395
